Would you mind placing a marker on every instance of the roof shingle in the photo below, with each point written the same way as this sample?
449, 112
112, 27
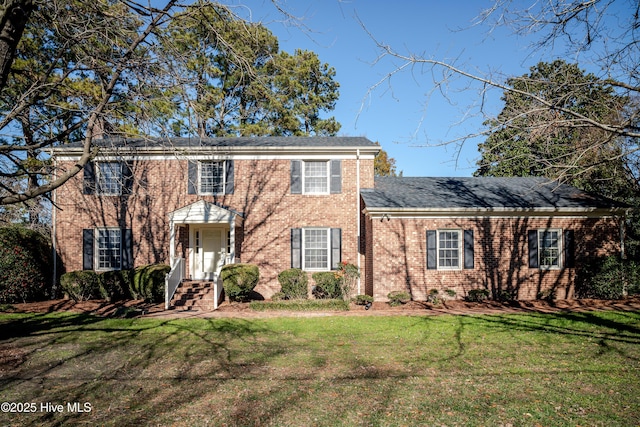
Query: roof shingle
479, 193
228, 142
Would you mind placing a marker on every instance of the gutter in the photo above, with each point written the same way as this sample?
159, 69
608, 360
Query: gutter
53, 237
358, 237
380, 212
226, 150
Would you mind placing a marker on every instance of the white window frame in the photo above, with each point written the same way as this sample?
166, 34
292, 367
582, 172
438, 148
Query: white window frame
97, 249
459, 248
541, 249
99, 178
304, 248
327, 179
224, 177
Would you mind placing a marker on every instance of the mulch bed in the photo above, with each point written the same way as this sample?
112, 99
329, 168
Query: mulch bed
234, 309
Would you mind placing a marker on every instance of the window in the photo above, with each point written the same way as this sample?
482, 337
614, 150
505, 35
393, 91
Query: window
549, 242
108, 249
316, 177
449, 249
316, 249
211, 177
551, 248
109, 178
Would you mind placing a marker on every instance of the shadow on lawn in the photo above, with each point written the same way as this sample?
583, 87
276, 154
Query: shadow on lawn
146, 369
601, 327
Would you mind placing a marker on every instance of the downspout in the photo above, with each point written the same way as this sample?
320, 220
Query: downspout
622, 225
358, 214
53, 237
623, 254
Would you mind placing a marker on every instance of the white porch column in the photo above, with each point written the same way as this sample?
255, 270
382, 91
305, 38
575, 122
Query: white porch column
172, 243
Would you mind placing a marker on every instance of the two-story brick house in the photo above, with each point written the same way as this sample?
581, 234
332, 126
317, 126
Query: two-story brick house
274, 202
311, 202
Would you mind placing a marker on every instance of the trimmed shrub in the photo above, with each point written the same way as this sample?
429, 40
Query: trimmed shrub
301, 305
294, 283
328, 285
398, 297
477, 295
81, 285
609, 278
115, 285
363, 299
239, 280
26, 265
450, 293
148, 282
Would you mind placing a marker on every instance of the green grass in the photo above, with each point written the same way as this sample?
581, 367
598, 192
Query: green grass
522, 370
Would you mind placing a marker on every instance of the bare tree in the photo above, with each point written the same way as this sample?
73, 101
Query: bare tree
65, 78
590, 31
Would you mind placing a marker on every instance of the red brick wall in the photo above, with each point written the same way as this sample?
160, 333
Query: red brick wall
261, 193
500, 254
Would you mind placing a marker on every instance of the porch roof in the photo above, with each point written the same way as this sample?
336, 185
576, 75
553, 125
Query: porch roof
203, 212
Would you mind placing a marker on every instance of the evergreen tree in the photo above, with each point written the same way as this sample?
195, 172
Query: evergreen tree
527, 139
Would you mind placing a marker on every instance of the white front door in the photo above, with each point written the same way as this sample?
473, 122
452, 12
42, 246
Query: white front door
209, 250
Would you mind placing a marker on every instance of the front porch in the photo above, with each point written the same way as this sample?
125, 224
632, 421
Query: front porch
202, 241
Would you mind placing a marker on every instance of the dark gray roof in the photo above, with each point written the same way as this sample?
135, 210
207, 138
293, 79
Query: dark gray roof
229, 142
480, 193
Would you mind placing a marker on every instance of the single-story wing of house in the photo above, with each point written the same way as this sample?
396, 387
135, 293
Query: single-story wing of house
521, 238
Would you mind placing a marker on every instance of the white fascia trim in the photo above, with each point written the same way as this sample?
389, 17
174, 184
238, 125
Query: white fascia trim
181, 156
240, 153
416, 213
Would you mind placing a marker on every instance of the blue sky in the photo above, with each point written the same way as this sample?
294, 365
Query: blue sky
410, 117
407, 114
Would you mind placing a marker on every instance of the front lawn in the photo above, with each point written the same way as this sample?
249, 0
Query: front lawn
521, 370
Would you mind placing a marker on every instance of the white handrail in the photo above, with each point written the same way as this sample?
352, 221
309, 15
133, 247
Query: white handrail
172, 281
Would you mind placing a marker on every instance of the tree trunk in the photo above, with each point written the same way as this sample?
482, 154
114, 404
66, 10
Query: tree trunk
13, 19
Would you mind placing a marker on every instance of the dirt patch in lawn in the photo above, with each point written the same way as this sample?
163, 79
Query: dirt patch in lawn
243, 310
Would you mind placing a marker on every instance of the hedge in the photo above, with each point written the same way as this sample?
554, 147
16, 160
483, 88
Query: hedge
148, 282
609, 278
294, 283
239, 280
81, 285
26, 265
145, 282
328, 285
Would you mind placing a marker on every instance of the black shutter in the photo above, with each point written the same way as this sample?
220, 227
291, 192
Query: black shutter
296, 177
127, 248
336, 176
127, 177
336, 248
89, 183
228, 186
192, 184
533, 249
431, 250
87, 249
296, 248
569, 249
468, 249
